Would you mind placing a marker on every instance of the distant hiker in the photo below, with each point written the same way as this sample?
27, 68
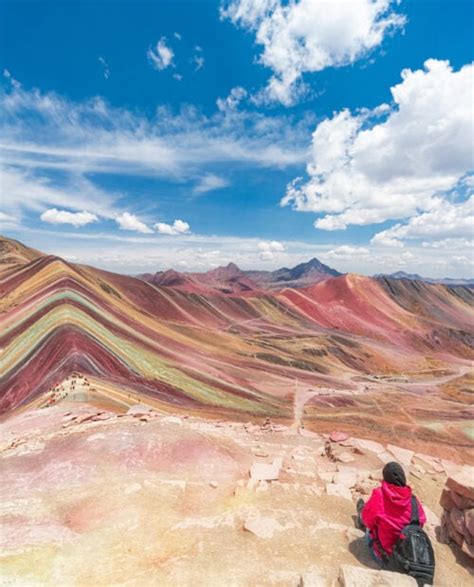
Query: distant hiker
393, 519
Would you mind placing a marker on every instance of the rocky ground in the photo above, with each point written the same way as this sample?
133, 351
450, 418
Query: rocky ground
95, 497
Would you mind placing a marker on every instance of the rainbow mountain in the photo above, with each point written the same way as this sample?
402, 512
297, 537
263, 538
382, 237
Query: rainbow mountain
390, 357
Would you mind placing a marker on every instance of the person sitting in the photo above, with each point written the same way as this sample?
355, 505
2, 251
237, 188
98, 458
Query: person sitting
387, 512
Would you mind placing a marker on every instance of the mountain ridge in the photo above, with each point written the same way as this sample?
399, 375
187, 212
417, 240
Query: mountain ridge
245, 354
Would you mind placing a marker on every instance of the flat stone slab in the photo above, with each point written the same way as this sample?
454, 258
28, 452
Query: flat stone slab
345, 457
263, 527
402, 455
350, 576
266, 471
369, 445
138, 410
338, 490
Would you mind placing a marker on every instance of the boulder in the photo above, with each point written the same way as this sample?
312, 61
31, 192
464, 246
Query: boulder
402, 455
462, 482
457, 519
350, 576
338, 490
469, 521
461, 502
263, 527
337, 436
468, 549
446, 501
266, 471
453, 533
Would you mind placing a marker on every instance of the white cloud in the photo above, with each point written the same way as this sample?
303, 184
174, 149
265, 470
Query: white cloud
269, 249
8, 76
138, 253
177, 228
210, 182
25, 189
161, 56
311, 35
235, 97
46, 131
177, 76
127, 221
198, 61
53, 149
177, 36
453, 244
395, 162
105, 66
77, 219
6, 217
347, 252
7, 221
444, 221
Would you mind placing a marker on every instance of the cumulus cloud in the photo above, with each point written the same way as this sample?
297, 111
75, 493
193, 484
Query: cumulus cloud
395, 162
347, 252
179, 227
161, 56
268, 249
445, 220
127, 221
311, 35
210, 182
77, 219
235, 97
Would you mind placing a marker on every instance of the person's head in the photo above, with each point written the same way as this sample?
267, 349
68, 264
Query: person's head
394, 474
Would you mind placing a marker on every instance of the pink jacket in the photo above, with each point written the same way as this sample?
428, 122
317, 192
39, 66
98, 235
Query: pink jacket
387, 512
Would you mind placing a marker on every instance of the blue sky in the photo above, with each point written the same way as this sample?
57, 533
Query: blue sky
143, 135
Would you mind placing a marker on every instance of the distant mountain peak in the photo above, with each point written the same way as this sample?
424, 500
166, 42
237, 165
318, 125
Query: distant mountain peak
232, 266
311, 267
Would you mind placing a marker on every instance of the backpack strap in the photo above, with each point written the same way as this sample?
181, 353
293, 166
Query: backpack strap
415, 517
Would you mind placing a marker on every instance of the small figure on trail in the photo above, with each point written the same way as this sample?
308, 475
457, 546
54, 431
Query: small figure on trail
393, 519
267, 425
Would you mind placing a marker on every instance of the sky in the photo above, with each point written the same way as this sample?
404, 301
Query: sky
142, 135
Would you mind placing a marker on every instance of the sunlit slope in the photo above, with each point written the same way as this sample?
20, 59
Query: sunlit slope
183, 348
413, 315
249, 354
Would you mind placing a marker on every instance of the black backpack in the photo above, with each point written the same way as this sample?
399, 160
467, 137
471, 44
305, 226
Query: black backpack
413, 551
